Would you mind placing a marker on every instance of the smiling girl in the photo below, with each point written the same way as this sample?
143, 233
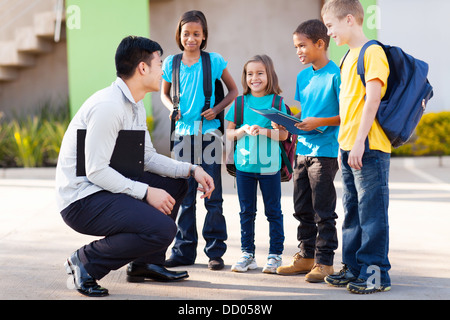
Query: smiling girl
257, 159
191, 37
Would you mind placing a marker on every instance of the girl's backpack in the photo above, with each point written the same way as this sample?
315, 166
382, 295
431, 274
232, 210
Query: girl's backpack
207, 89
288, 146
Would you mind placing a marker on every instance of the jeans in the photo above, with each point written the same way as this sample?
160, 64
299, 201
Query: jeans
133, 230
214, 228
365, 230
270, 186
315, 205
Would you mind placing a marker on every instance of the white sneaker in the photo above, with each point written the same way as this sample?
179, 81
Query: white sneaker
245, 262
273, 262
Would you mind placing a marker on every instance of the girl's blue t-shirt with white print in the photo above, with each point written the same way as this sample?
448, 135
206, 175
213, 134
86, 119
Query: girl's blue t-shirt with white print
318, 93
192, 97
256, 154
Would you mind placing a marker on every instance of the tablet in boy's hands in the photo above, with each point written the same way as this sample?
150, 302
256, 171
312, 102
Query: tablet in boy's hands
282, 119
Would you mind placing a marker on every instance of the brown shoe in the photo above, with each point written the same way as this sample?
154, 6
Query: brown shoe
319, 272
298, 266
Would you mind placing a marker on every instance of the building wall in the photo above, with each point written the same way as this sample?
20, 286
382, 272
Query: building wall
46, 82
237, 30
43, 84
94, 30
419, 28
14, 13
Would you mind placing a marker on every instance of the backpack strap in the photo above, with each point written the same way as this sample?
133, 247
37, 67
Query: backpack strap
360, 66
207, 79
176, 62
343, 59
276, 102
176, 80
239, 111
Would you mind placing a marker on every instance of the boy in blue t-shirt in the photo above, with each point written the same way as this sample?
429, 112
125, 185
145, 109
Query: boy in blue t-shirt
317, 150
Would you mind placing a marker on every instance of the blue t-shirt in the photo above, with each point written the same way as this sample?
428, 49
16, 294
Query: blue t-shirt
318, 93
256, 154
192, 98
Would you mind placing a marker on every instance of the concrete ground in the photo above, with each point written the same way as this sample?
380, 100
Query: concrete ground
34, 243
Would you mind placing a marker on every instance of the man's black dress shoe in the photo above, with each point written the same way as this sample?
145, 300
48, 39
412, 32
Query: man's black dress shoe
137, 272
84, 283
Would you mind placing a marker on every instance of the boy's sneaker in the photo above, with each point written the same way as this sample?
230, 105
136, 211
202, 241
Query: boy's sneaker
273, 262
245, 262
362, 287
340, 279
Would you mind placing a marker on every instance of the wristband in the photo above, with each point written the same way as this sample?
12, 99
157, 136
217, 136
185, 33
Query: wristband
145, 196
192, 170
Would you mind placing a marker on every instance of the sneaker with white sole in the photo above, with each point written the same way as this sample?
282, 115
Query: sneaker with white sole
246, 261
273, 262
361, 286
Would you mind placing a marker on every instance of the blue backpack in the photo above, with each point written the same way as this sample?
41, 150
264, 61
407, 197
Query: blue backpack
407, 94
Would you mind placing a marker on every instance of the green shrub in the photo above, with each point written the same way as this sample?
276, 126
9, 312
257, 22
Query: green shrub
6, 144
27, 144
33, 140
431, 138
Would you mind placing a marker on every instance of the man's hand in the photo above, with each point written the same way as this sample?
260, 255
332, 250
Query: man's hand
206, 182
160, 199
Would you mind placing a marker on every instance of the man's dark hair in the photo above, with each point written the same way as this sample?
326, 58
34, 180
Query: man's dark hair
314, 30
133, 50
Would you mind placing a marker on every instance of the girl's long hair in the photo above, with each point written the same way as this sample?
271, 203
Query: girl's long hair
192, 16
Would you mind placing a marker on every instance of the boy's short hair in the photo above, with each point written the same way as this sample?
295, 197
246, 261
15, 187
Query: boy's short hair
133, 50
342, 8
314, 30
192, 16
272, 78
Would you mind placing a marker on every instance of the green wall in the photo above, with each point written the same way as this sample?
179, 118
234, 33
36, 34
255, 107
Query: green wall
94, 30
371, 18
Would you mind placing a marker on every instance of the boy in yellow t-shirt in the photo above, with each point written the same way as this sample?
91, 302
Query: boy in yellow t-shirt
365, 155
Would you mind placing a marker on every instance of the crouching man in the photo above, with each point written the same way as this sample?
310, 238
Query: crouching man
135, 216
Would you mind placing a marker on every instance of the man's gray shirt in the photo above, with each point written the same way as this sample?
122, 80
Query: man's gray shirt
103, 115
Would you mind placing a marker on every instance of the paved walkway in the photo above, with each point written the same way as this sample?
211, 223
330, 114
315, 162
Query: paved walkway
34, 243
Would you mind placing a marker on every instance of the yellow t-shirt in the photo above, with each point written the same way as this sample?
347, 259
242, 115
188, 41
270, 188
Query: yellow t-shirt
352, 96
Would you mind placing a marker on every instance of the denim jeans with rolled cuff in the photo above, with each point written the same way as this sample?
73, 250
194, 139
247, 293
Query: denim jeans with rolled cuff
365, 230
270, 186
209, 156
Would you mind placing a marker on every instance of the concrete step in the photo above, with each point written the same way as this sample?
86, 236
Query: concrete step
10, 57
44, 24
27, 42
8, 74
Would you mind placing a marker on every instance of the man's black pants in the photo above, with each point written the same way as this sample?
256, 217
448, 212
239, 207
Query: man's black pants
132, 229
